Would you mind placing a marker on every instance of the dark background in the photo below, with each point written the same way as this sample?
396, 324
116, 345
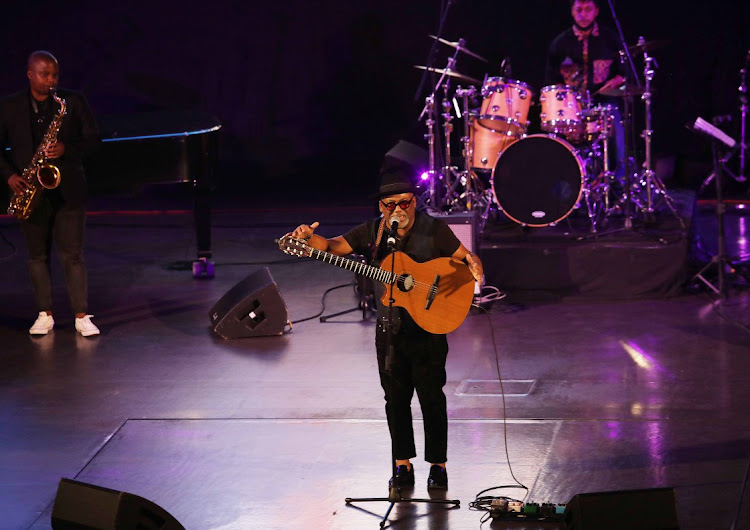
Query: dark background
313, 93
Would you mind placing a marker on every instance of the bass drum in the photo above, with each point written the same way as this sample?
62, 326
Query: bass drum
538, 180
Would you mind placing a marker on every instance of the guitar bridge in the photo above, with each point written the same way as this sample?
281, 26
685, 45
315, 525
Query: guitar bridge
432, 292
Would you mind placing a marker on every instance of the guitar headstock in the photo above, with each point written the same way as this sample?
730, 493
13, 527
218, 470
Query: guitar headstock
295, 247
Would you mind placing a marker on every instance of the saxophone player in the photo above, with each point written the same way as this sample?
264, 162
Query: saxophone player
58, 218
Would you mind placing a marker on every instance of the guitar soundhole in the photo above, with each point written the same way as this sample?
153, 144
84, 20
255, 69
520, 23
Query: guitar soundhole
405, 283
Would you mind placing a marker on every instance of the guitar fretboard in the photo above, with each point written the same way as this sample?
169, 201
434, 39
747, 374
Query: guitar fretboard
357, 267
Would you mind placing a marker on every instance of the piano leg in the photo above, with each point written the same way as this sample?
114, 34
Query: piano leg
204, 267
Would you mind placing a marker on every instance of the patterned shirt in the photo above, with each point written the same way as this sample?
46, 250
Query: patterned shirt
584, 60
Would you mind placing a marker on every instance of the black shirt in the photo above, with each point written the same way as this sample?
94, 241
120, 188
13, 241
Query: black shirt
42, 113
565, 58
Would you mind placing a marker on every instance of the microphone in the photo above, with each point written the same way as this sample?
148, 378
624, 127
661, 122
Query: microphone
392, 232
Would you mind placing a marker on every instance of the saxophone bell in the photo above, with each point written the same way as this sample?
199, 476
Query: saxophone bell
48, 176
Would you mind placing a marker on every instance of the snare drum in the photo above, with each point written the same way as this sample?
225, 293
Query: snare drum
598, 122
486, 146
561, 110
505, 107
538, 180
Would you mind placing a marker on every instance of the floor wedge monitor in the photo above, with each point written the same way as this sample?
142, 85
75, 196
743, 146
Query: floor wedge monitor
252, 308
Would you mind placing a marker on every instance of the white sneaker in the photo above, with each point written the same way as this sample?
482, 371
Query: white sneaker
85, 327
43, 324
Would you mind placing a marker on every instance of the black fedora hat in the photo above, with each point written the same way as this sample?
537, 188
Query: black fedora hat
395, 178
398, 174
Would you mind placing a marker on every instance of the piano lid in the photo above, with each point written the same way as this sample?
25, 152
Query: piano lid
156, 124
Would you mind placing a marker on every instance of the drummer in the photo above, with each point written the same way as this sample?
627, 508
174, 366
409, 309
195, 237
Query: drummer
586, 57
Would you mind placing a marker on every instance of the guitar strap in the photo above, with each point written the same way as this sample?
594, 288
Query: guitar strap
381, 229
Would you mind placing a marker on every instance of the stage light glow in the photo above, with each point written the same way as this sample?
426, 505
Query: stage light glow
425, 175
639, 358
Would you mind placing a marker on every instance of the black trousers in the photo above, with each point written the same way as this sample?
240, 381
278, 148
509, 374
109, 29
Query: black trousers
53, 220
418, 364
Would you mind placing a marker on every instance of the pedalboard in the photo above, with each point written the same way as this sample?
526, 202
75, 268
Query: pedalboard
505, 510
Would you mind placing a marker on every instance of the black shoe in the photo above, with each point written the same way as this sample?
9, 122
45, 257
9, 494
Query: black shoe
438, 479
403, 477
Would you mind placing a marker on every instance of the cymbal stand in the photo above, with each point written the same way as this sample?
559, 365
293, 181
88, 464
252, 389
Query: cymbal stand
429, 110
466, 174
743, 119
432, 173
600, 187
473, 188
652, 182
607, 173
632, 73
451, 178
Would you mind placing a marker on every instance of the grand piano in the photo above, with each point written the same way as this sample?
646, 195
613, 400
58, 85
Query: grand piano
175, 146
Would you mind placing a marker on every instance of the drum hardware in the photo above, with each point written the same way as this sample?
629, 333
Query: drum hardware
471, 182
460, 46
430, 197
627, 58
652, 183
647, 46
743, 117
449, 72
623, 90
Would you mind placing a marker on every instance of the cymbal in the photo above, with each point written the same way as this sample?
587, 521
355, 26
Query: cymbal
621, 91
451, 73
459, 47
648, 46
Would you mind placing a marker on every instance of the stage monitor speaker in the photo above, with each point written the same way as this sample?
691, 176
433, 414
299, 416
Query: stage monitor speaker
464, 226
81, 506
252, 308
623, 510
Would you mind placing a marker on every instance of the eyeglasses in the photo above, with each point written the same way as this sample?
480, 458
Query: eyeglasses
390, 206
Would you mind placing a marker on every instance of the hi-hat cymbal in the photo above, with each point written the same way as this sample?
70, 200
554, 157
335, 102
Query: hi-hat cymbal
451, 73
621, 91
459, 46
647, 46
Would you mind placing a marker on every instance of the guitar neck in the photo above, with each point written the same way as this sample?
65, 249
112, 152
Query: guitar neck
374, 273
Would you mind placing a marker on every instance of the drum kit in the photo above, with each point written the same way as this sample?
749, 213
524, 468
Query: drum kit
536, 180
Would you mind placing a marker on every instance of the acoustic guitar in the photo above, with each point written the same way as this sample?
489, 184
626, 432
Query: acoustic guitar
437, 293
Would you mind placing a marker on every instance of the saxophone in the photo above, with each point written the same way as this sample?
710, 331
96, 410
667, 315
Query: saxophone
39, 174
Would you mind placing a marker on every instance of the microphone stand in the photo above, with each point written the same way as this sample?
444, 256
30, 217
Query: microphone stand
624, 45
394, 491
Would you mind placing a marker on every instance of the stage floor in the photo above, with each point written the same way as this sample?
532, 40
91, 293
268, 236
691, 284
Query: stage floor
275, 432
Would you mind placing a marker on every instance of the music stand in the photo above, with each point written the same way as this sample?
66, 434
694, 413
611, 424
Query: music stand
721, 260
394, 491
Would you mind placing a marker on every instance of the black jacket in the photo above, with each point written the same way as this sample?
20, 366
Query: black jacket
78, 132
